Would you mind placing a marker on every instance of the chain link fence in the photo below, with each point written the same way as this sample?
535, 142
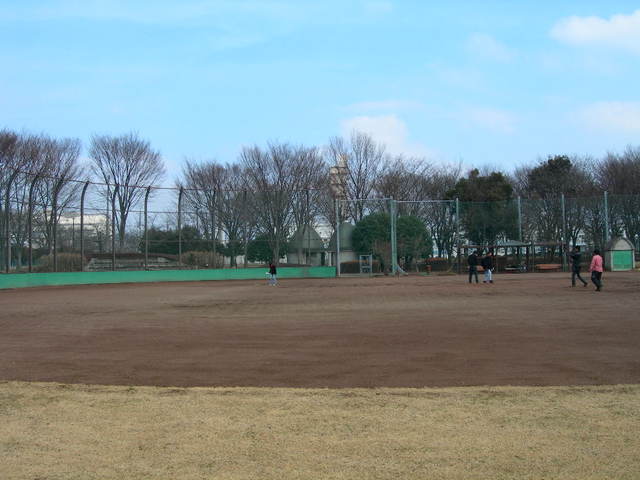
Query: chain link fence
48, 225
525, 234
87, 226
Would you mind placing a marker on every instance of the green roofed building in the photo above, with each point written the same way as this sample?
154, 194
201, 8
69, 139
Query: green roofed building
347, 252
306, 248
619, 255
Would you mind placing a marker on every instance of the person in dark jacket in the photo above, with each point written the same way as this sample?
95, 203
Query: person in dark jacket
576, 257
488, 266
472, 260
273, 280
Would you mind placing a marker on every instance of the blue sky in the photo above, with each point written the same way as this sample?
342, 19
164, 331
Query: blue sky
497, 83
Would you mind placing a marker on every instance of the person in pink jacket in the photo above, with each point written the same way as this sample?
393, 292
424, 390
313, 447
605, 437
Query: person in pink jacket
596, 269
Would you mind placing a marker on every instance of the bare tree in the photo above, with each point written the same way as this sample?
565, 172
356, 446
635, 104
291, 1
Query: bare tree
237, 211
273, 175
439, 215
543, 186
364, 158
307, 201
620, 176
59, 186
31, 160
202, 184
219, 196
8, 148
9, 168
404, 179
129, 162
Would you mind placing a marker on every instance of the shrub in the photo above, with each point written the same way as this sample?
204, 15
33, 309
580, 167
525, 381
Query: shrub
67, 262
438, 264
200, 259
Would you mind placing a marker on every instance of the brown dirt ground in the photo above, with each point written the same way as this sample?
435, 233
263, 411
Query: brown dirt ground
531, 329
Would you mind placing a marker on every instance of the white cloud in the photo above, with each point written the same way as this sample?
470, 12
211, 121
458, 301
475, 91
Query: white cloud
384, 105
487, 47
491, 119
389, 130
157, 12
466, 78
378, 7
623, 117
619, 31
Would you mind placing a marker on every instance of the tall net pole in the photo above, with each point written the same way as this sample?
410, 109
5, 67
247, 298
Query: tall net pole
564, 234
146, 228
519, 219
606, 217
338, 237
82, 197
113, 227
337, 178
180, 226
458, 234
394, 237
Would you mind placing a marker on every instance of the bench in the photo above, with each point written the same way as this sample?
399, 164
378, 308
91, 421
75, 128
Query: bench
549, 267
515, 269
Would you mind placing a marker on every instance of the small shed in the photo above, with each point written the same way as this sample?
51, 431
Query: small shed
306, 247
347, 253
618, 254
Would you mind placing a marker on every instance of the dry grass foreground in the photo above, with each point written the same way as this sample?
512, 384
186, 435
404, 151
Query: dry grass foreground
56, 431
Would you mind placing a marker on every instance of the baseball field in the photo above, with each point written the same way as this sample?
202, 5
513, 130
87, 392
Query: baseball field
411, 377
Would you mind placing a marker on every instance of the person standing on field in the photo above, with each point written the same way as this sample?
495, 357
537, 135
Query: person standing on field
487, 265
576, 258
596, 269
473, 266
273, 280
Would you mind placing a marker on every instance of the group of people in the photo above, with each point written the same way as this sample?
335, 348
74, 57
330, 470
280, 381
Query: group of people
488, 265
596, 268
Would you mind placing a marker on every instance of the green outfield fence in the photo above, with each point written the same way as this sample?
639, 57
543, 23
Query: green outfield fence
21, 280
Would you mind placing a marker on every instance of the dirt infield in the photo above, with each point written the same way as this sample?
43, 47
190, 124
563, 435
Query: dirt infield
395, 332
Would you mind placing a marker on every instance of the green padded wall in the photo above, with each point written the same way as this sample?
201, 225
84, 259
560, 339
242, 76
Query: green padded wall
622, 260
19, 280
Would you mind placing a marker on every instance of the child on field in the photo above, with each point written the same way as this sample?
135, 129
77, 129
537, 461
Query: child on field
576, 257
596, 269
273, 281
472, 260
487, 265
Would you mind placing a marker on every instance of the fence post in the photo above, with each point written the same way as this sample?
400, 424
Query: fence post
113, 227
212, 214
394, 244
606, 218
30, 220
146, 228
7, 220
84, 191
180, 225
337, 237
54, 230
564, 233
308, 229
519, 219
458, 234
